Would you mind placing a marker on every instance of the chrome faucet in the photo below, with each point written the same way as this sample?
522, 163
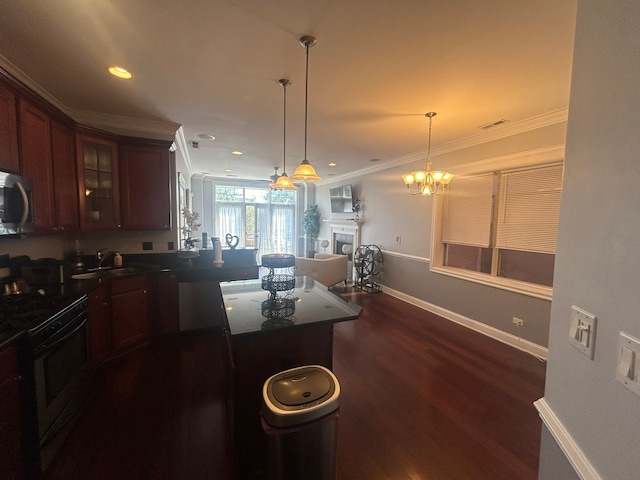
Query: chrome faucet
102, 257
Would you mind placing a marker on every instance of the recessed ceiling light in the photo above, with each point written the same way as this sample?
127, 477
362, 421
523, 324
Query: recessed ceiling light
206, 136
332, 164
120, 72
228, 170
237, 152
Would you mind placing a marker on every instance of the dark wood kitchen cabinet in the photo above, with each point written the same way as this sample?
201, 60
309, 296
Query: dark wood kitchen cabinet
9, 155
37, 164
48, 159
165, 313
65, 178
145, 185
129, 311
100, 323
98, 190
10, 423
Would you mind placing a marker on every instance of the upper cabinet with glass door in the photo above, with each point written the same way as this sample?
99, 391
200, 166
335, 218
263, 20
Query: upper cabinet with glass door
98, 182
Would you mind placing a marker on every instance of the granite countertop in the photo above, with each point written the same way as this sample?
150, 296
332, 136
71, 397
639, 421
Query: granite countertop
313, 304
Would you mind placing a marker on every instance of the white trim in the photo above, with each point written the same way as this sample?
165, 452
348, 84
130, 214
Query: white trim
523, 288
504, 337
406, 256
123, 125
343, 221
565, 441
30, 83
523, 126
119, 124
352, 229
528, 158
182, 146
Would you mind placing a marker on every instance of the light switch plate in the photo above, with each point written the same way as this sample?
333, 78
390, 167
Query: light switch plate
628, 365
582, 331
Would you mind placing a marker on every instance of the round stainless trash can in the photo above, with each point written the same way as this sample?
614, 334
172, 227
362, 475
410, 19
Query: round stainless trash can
300, 408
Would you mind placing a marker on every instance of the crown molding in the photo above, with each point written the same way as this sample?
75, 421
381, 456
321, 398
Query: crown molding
183, 150
123, 125
536, 156
539, 121
26, 80
118, 124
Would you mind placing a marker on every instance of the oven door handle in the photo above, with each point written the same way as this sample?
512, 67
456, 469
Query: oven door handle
44, 348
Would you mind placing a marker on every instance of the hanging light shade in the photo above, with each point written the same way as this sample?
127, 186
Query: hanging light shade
427, 181
305, 171
284, 182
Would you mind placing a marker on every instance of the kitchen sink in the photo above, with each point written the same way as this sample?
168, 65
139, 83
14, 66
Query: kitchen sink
86, 276
104, 272
122, 271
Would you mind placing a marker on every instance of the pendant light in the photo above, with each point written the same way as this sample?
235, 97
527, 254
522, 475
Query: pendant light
284, 182
305, 171
427, 182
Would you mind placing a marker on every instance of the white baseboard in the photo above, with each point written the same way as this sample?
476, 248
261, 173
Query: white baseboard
504, 337
565, 441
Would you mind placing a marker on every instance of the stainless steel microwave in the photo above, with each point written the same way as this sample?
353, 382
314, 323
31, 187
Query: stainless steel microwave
16, 214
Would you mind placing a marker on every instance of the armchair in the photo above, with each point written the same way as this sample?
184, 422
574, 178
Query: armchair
326, 268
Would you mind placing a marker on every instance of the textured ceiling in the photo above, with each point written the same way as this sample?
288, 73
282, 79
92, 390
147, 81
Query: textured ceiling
213, 66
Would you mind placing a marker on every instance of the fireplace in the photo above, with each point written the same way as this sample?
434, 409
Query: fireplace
340, 240
345, 234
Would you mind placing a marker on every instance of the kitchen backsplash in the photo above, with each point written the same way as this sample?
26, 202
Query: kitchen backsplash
57, 246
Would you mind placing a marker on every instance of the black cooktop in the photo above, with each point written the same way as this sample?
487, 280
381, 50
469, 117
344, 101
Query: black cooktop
28, 311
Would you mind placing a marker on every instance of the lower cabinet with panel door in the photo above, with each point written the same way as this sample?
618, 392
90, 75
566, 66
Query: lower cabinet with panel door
10, 430
100, 323
130, 323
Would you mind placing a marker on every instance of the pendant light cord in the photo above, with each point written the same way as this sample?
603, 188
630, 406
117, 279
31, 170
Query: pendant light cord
429, 148
284, 130
306, 100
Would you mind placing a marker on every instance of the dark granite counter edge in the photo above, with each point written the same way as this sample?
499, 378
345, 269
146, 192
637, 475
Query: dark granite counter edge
7, 339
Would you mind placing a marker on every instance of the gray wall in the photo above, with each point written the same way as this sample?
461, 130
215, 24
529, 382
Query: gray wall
388, 211
598, 262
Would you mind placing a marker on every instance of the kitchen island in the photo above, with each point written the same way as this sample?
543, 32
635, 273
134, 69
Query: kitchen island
263, 341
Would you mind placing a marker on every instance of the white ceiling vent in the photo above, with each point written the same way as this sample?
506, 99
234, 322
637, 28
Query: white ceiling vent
493, 124
194, 144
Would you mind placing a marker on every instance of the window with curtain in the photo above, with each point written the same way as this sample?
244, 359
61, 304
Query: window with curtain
260, 217
503, 224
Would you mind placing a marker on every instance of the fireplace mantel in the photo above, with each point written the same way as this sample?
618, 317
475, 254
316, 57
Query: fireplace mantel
345, 221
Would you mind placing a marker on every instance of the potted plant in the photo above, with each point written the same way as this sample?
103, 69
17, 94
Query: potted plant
311, 225
190, 225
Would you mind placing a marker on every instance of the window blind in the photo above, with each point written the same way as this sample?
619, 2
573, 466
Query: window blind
529, 209
468, 210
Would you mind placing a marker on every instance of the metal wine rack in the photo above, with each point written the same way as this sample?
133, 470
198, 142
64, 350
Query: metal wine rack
368, 263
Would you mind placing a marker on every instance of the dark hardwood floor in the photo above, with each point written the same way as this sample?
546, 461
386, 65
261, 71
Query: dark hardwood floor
422, 398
